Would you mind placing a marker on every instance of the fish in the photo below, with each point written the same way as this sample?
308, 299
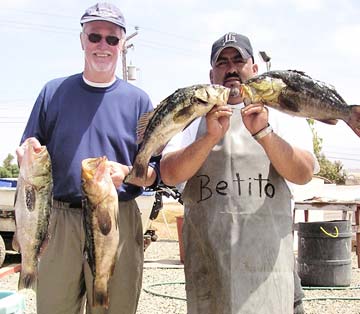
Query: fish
101, 217
296, 93
170, 117
32, 204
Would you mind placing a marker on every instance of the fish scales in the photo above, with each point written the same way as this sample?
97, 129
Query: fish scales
100, 209
174, 103
170, 117
324, 96
296, 93
33, 203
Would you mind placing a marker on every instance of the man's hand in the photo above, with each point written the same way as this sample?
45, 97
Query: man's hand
118, 172
21, 149
218, 122
255, 117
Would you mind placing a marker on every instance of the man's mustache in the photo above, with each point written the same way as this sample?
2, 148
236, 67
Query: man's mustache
233, 75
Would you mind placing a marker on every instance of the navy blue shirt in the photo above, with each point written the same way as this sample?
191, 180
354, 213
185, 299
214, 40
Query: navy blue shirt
77, 121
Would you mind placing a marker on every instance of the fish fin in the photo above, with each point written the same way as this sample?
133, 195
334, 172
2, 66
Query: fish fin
300, 72
142, 125
44, 245
16, 194
328, 121
27, 280
159, 150
15, 243
89, 245
104, 221
100, 298
247, 101
137, 171
354, 121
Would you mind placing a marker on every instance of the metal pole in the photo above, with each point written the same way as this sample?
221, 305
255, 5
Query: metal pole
124, 52
266, 58
123, 60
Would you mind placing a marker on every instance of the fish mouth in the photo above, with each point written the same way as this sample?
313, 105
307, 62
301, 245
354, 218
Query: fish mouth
235, 87
235, 92
232, 82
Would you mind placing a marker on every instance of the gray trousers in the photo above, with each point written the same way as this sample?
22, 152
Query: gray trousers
298, 291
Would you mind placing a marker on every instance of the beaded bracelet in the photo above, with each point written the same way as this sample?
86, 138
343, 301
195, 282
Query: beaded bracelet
263, 132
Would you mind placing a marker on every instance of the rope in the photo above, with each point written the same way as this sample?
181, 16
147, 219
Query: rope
329, 234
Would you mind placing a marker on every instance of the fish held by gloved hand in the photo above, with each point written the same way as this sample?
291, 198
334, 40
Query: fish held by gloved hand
170, 117
296, 93
33, 203
100, 210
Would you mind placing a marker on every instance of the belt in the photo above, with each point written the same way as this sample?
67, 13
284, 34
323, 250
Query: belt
75, 204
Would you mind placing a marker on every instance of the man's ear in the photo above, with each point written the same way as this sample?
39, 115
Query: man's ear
82, 45
255, 68
211, 76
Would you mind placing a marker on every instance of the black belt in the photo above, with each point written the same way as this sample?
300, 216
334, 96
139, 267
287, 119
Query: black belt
74, 204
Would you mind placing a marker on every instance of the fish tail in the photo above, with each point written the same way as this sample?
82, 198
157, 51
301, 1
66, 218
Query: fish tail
138, 171
354, 120
27, 280
15, 243
100, 298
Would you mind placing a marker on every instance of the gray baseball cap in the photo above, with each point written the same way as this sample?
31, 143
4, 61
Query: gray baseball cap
240, 42
104, 11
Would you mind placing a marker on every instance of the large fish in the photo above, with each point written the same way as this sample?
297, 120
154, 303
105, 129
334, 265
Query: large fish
170, 117
296, 93
33, 203
100, 206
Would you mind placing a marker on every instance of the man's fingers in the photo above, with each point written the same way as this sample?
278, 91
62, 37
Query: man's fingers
254, 108
220, 111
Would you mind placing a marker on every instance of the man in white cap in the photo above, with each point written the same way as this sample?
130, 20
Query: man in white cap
90, 114
237, 163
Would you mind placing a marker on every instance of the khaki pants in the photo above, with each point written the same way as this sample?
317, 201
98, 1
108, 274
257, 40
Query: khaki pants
65, 276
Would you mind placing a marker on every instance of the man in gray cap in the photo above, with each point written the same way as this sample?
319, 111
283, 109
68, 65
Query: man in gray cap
86, 115
238, 163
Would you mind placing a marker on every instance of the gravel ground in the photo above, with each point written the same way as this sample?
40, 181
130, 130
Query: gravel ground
162, 266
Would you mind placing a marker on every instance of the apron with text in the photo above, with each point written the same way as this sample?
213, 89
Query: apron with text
238, 231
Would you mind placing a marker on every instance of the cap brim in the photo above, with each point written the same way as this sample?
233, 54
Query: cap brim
97, 18
244, 54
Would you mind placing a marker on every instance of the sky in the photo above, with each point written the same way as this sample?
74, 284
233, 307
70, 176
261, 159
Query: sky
40, 41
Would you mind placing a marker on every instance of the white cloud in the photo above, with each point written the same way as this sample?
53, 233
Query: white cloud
12, 4
309, 5
347, 40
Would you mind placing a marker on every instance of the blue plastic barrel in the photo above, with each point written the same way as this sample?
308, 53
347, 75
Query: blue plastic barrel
11, 303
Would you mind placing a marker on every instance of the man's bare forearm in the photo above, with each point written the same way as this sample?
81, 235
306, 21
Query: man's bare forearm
294, 164
179, 166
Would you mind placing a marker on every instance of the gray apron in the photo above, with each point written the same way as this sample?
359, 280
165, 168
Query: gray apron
238, 231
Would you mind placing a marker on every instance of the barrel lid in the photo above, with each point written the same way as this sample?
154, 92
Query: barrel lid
11, 302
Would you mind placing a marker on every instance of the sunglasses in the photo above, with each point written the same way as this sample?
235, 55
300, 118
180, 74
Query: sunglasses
96, 38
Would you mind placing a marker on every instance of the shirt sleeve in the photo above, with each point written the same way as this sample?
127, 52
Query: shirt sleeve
184, 138
36, 121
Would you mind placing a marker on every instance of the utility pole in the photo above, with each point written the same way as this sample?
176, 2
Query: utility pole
124, 52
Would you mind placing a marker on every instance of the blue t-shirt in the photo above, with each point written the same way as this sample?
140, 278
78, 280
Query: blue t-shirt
77, 121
